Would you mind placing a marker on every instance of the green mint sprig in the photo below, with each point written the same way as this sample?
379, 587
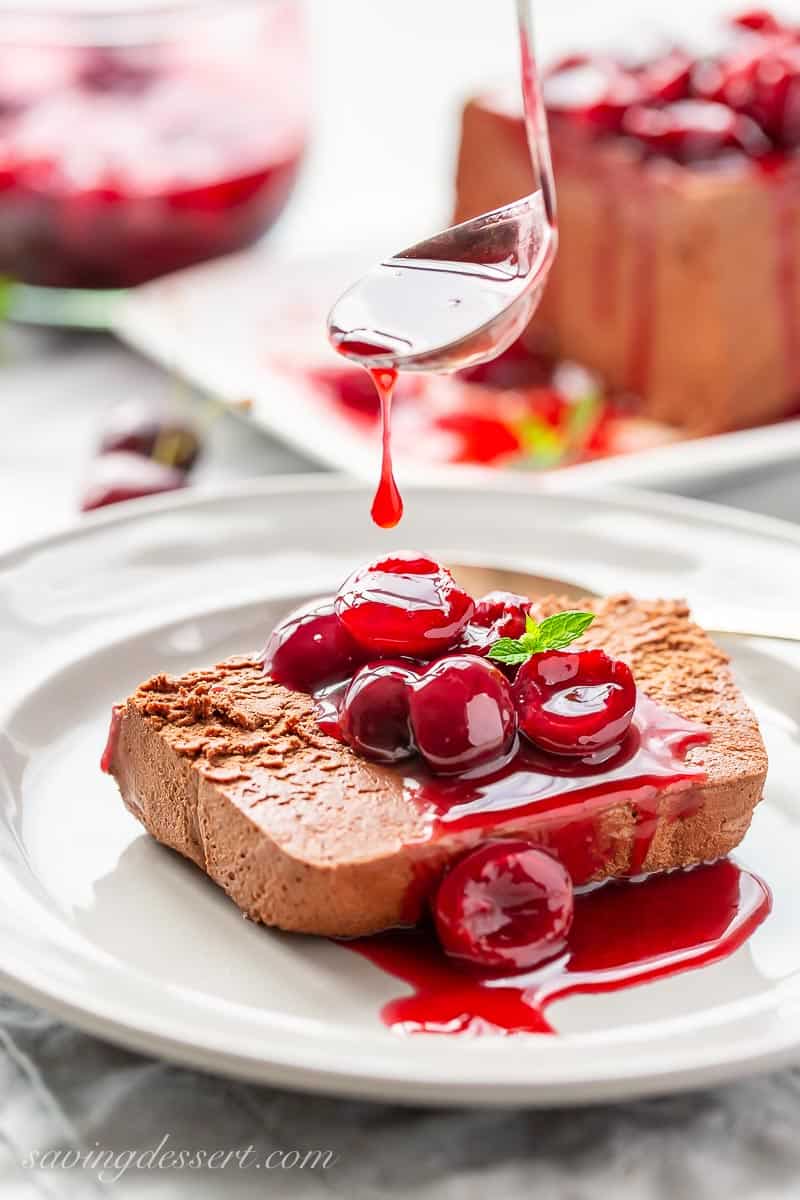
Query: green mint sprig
554, 633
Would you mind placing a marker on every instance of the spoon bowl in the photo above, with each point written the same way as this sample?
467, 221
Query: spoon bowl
454, 300
461, 297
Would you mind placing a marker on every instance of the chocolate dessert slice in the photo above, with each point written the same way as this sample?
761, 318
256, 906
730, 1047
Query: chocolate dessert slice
678, 272
233, 771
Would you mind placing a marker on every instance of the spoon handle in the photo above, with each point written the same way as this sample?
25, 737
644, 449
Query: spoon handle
535, 114
781, 631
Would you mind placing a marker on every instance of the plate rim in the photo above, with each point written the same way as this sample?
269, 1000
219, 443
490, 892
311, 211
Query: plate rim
663, 503
372, 1079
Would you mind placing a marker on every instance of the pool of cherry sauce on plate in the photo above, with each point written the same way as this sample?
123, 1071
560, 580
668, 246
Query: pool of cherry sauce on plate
622, 934
493, 722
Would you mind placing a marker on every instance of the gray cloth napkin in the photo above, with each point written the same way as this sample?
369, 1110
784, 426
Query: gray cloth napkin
61, 1091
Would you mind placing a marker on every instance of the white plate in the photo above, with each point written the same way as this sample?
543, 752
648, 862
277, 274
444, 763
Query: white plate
111, 931
273, 314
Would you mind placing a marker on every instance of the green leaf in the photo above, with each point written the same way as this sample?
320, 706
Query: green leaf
554, 633
509, 651
542, 445
560, 630
6, 289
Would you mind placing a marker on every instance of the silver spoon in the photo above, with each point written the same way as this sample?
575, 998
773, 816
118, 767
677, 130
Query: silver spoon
478, 580
463, 296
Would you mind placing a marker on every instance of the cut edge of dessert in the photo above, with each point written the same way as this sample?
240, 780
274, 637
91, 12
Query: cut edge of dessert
403, 752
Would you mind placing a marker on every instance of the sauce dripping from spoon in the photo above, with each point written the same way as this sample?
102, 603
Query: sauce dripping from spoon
460, 298
387, 506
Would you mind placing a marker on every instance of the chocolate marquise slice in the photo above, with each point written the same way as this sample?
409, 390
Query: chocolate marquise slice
232, 770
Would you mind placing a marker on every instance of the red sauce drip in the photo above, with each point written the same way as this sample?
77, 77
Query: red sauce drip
387, 507
562, 803
111, 741
623, 934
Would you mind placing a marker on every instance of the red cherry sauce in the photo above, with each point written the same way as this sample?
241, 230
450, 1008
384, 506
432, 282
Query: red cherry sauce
111, 741
387, 507
561, 802
622, 934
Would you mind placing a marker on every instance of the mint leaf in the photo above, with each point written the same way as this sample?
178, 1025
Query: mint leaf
510, 651
554, 633
542, 445
560, 630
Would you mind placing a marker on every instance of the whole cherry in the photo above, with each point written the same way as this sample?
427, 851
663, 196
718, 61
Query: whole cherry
107, 69
505, 905
758, 20
667, 78
124, 476
593, 92
462, 714
141, 428
775, 102
311, 648
405, 604
497, 615
574, 702
374, 718
759, 80
692, 131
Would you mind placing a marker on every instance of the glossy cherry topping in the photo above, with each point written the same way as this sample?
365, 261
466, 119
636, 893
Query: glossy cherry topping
666, 79
145, 429
574, 703
404, 605
662, 103
691, 131
497, 615
506, 905
374, 718
126, 476
462, 714
596, 92
311, 648
503, 612
762, 82
758, 20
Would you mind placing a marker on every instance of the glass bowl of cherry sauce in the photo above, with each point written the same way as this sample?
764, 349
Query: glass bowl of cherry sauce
138, 138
